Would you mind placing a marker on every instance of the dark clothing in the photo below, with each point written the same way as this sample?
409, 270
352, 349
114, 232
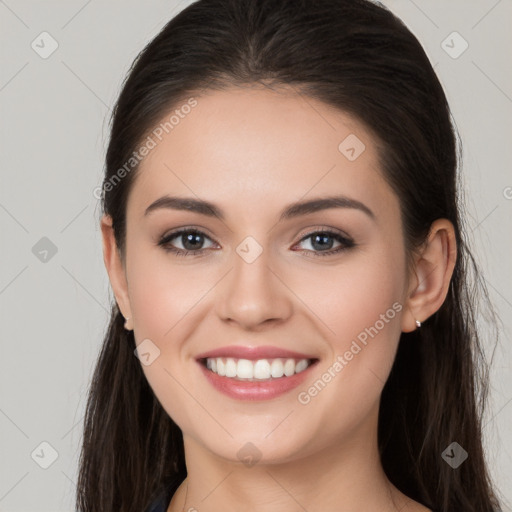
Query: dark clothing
163, 500
159, 505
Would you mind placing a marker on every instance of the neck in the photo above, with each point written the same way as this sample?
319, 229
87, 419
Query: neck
333, 478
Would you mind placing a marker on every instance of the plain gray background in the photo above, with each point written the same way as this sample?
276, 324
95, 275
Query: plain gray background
54, 129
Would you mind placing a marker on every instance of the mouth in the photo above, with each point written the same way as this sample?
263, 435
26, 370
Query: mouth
253, 380
259, 370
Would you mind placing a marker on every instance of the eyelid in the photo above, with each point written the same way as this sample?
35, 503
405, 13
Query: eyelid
325, 229
190, 227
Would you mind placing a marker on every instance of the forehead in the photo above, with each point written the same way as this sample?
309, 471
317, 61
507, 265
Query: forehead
255, 147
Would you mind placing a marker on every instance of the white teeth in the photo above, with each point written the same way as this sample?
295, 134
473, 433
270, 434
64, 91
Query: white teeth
301, 365
262, 369
277, 369
221, 367
289, 367
244, 369
230, 368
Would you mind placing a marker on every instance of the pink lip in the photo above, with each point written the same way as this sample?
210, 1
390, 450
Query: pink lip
253, 353
264, 390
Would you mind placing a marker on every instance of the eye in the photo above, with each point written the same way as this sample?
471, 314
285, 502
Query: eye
190, 239
322, 240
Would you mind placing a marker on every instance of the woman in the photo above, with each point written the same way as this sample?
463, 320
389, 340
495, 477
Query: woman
292, 326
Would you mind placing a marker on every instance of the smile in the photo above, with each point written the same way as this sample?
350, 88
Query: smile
252, 371
262, 379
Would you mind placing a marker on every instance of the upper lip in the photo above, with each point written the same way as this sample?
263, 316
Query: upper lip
253, 353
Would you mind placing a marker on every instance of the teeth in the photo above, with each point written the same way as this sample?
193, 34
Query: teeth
277, 369
230, 368
262, 369
301, 365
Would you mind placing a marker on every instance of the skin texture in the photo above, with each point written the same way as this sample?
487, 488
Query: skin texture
252, 152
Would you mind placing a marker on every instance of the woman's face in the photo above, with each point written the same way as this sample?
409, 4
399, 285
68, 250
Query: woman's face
254, 278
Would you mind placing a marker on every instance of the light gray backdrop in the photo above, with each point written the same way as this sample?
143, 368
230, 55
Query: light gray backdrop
62, 64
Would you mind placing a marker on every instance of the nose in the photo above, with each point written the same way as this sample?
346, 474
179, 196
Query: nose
253, 294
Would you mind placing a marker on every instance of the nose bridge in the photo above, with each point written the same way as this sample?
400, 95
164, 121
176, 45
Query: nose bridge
253, 294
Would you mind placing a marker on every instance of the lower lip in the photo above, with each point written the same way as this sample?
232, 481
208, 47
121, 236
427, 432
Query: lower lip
264, 390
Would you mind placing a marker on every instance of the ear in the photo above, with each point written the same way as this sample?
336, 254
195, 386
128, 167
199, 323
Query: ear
433, 271
115, 267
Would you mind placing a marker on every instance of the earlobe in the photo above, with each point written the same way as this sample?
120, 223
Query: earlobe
115, 267
432, 275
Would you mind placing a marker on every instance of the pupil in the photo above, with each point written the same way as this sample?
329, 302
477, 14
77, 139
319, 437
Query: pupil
190, 239
322, 237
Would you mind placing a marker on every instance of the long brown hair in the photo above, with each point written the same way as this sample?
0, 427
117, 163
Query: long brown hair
358, 57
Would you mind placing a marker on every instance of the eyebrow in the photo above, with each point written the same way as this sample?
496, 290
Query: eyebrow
291, 211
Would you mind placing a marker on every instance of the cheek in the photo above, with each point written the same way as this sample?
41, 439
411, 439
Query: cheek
349, 298
361, 305
165, 300
162, 294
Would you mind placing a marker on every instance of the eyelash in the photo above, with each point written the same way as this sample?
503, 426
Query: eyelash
347, 243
